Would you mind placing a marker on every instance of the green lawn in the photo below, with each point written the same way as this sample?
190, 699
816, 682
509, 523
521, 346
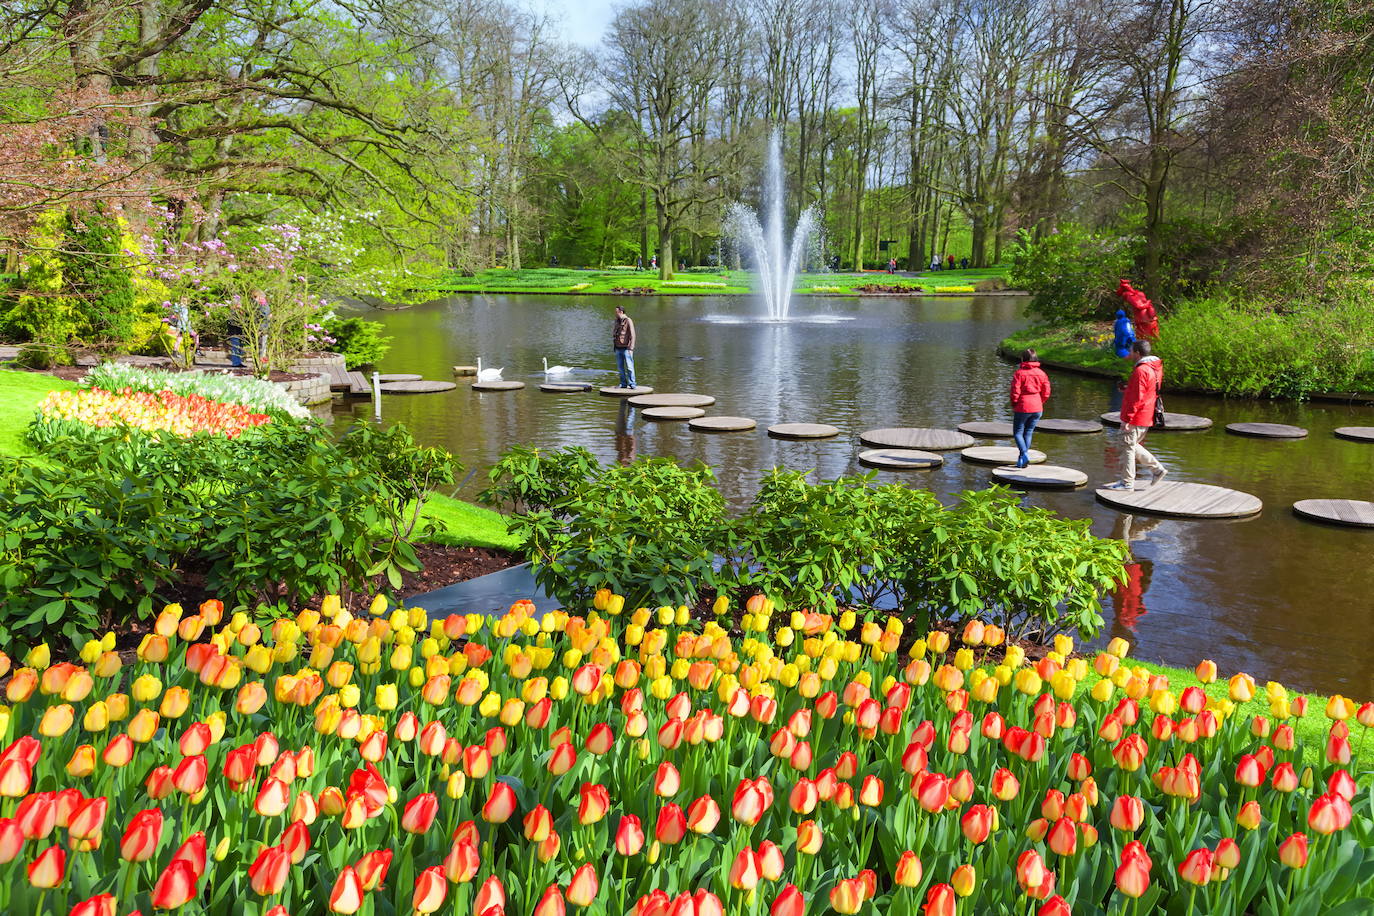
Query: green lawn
1082, 346
466, 525
716, 283
20, 393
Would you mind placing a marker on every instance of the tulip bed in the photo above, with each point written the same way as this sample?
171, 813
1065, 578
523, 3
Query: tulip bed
614, 761
92, 410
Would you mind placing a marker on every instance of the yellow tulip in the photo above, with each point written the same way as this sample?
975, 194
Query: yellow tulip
146, 688
386, 697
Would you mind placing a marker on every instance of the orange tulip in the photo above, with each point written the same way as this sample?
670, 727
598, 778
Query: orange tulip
744, 871
268, 873
1196, 867
551, 904
629, 836
500, 805
704, 814
941, 901
142, 836
789, 902
538, 824
176, 886
462, 862
11, 840
593, 804
347, 894
490, 894
99, 905
48, 870
671, 826
847, 896
977, 823
908, 871
1293, 851
809, 838
419, 813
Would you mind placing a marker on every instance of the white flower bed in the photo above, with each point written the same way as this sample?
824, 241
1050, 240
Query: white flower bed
258, 394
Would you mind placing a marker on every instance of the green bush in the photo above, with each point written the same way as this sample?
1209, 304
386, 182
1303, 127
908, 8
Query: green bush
1072, 273
276, 517
361, 342
658, 534
1249, 349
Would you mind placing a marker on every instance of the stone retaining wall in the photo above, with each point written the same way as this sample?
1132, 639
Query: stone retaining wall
313, 389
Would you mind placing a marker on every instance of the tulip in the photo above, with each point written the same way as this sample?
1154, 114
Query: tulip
1133, 876
1128, 812
1055, 906
419, 813
99, 905
461, 863
908, 870
1329, 813
941, 900
11, 840
847, 896
809, 838
593, 804
267, 875
176, 886
671, 825
372, 868
1293, 851
1196, 867
629, 836
1249, 771
347, 895
744, 871
964, 880
500, 804
1227, 854
142, 836
977, 823
789, 902
704, 814
1063, 837
48, 870
490, 894
1031, 872
551, 904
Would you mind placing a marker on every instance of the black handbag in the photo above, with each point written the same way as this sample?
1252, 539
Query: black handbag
1159, 410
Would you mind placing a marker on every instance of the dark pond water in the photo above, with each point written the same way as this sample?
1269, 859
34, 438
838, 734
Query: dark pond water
1276, 596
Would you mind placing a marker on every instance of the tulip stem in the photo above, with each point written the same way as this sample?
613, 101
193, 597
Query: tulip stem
624, 868
1192, 896
126, 894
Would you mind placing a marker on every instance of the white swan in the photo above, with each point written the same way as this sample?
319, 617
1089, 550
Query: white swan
555, 370
488, 375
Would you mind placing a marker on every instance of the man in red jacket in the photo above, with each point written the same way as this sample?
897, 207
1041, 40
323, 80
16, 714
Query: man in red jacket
1138, 415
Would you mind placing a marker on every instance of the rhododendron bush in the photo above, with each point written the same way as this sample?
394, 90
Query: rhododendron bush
613, 761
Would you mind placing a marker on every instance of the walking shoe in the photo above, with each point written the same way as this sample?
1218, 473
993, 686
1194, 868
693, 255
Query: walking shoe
1157, 476
1119, 485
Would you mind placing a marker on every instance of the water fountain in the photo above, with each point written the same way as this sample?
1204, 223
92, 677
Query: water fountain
776, 261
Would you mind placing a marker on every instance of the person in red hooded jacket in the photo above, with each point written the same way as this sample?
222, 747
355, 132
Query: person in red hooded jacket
1030, 389
1138, 415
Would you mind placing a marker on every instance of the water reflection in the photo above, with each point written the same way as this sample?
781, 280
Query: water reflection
1280, 597
1128, 600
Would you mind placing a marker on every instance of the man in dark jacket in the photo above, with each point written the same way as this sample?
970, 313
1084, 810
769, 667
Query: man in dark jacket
623, 340
1138, 415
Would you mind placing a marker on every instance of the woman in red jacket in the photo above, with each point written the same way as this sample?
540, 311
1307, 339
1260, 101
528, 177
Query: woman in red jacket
1030, 389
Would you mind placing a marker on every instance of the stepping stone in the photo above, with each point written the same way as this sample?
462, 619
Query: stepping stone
1044, 476
900, 459
1175, 422
672, 400
722, 424
991, 429
1054, 425
399, 377
563, 387
999, 455
673, 413
1183, 500
1266, 430
1357, 513
614, 391
493, 386
803, 431
422, 387
917, 437
1356, 433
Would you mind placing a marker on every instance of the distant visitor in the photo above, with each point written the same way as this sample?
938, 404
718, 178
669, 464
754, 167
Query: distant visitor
1123, 335
623, 339
1142, 311
1138, 415
1030, 389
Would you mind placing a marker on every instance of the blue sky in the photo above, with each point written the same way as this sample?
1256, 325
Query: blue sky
582, 21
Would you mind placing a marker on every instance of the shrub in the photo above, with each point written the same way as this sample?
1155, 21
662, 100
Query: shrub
1072, 273
361, 342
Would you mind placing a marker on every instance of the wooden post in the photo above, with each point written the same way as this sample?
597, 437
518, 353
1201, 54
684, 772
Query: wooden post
376, 397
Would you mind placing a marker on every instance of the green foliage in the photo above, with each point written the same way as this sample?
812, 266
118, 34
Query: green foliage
258, 394
1072, 272
361, 342
657, 533
1249, 349
96, 276
283, 515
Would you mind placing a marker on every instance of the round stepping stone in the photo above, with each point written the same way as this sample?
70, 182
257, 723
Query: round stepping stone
489, 386
722, 424
803, 431
990, 429
1183, 500
673, 413
899, 459
1357, 513
1356, 433
422, 387
917, 437
1266, 430
563, 387
615, 391
399, 377
672, 400
1054, 425
1044, 476
999, 455
1176, 422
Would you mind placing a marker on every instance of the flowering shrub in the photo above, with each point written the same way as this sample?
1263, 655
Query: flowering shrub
621, 761
826, 289
954, 289
77, 412
259, 395
578, 287
700, 284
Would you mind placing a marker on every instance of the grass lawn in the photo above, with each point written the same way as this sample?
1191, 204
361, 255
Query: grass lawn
465, 525
1085, 346
20, 393
591, 281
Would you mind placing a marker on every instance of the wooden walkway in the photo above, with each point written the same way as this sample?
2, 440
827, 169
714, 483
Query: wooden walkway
1183, 500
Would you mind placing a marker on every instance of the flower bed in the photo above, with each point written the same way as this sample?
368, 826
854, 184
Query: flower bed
83, 412
259, 394
643, 762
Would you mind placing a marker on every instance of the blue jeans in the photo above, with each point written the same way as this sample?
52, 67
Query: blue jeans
625, 362
1022, 428
235, 351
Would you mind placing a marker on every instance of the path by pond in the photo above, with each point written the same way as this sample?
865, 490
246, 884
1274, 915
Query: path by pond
1276, 595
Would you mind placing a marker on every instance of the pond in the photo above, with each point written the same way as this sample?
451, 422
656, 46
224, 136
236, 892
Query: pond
1278, 597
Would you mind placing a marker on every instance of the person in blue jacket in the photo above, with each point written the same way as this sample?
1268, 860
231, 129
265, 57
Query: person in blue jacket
1125, 334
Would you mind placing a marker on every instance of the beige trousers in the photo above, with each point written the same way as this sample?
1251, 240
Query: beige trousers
1133, 451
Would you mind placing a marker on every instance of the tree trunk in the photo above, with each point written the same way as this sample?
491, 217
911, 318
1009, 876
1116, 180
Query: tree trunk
1154, 219
979, 228
665, 238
